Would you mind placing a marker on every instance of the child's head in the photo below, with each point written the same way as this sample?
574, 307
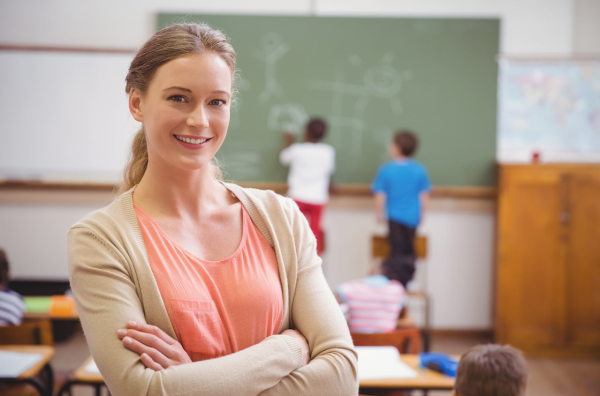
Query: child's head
405, 144
315, 130
3, 269
491, 370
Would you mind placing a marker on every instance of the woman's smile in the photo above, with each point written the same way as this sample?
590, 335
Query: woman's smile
192, 142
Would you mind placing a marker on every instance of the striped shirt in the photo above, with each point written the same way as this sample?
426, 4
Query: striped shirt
12, 308
374, 303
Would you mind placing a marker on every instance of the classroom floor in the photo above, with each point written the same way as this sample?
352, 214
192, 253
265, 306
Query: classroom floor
547, 377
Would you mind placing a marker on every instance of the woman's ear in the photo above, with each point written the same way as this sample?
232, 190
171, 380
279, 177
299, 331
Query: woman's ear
135, 104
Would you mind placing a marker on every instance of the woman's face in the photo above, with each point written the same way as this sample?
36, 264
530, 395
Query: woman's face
185, 111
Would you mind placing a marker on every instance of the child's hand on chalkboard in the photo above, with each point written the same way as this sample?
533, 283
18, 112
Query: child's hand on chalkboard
157, 349
288, 139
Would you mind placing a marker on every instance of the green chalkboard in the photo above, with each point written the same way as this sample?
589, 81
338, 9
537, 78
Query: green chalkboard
367, 77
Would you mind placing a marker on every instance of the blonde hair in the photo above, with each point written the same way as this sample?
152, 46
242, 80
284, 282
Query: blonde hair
165, 45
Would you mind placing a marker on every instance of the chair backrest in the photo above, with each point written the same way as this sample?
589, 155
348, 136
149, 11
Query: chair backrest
406, 340
380, 246
28, 333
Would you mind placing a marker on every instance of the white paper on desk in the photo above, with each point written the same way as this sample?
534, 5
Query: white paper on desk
381, 362
92, 368
13, 364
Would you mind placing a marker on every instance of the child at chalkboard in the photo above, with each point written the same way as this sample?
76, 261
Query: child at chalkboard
311, 165
401, 187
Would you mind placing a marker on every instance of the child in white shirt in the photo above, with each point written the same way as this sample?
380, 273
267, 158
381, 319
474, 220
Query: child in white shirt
311, 165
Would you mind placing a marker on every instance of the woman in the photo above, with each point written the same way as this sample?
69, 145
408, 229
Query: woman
187, 285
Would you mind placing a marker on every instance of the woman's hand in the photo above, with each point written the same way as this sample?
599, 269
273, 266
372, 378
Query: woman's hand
157, 349
303, 344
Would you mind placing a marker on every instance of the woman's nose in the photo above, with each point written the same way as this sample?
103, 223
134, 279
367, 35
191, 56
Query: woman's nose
198, 118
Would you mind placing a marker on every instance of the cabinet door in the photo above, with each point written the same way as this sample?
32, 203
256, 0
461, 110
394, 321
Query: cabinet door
583, 260
530, 305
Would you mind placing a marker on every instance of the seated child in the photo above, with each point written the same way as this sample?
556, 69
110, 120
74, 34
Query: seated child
400, 188
12, 306
374, 303
311, 165
492, 370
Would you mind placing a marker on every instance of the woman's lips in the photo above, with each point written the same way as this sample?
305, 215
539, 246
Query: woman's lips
192, 142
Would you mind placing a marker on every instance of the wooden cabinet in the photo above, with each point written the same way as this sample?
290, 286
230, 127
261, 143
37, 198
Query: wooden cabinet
548, 259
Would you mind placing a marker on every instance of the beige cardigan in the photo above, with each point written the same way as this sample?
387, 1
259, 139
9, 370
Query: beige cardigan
112, 284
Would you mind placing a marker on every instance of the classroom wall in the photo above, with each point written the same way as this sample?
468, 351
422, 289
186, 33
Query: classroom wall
460, 261
586, 27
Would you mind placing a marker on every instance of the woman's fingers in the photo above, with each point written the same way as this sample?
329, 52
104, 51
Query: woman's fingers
146, 328
143, 349
159, 346
152, 341
150, 363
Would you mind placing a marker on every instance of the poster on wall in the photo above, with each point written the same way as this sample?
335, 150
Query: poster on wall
549, 110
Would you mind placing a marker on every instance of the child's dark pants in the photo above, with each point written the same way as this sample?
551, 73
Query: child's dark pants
400, 265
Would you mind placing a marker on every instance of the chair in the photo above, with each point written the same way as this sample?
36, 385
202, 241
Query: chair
407, 340
21, 339
380, 248
28, 333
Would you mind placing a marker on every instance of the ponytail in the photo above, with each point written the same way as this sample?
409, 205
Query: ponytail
137, 164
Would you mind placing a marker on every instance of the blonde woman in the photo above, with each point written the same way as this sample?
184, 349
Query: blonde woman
188, 285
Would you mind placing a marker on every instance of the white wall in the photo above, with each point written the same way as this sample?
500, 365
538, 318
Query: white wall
457, 272
530, 27
586, 27
460, 259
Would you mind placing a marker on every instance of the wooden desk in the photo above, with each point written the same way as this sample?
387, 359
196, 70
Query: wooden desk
82, 377
426, 380
29, 376
46, 315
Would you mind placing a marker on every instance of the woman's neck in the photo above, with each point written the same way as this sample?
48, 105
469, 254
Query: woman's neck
180, 193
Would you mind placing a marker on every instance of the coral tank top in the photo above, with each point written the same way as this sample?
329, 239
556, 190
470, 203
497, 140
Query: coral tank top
216, 307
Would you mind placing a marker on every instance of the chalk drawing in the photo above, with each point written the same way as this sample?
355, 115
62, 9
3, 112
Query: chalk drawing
287, 117
380, 82
272, 48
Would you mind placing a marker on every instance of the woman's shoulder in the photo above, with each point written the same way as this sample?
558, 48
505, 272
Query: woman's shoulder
268, 209
109, 218
261, 199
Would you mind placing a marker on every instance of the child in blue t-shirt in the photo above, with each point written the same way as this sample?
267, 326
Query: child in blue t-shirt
401, 187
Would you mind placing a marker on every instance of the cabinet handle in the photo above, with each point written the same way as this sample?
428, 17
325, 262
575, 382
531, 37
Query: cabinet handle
565, 214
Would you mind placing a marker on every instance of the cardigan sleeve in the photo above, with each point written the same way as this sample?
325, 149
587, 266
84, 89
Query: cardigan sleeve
107, 298
316, 314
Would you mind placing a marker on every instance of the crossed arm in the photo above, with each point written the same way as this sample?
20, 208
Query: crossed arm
108, 299
159, 351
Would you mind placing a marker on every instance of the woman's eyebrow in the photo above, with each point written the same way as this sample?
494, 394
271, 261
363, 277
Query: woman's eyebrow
221, 91
180, 88
190, 91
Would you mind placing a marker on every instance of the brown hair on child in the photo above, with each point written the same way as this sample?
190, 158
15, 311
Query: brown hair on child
406, 141
3, 269
315, 130
491, 370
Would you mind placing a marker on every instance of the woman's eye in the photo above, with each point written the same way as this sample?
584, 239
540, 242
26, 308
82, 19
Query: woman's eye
217, 102
177, 98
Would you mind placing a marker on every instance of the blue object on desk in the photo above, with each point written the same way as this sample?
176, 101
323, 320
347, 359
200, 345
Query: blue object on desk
439, 362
